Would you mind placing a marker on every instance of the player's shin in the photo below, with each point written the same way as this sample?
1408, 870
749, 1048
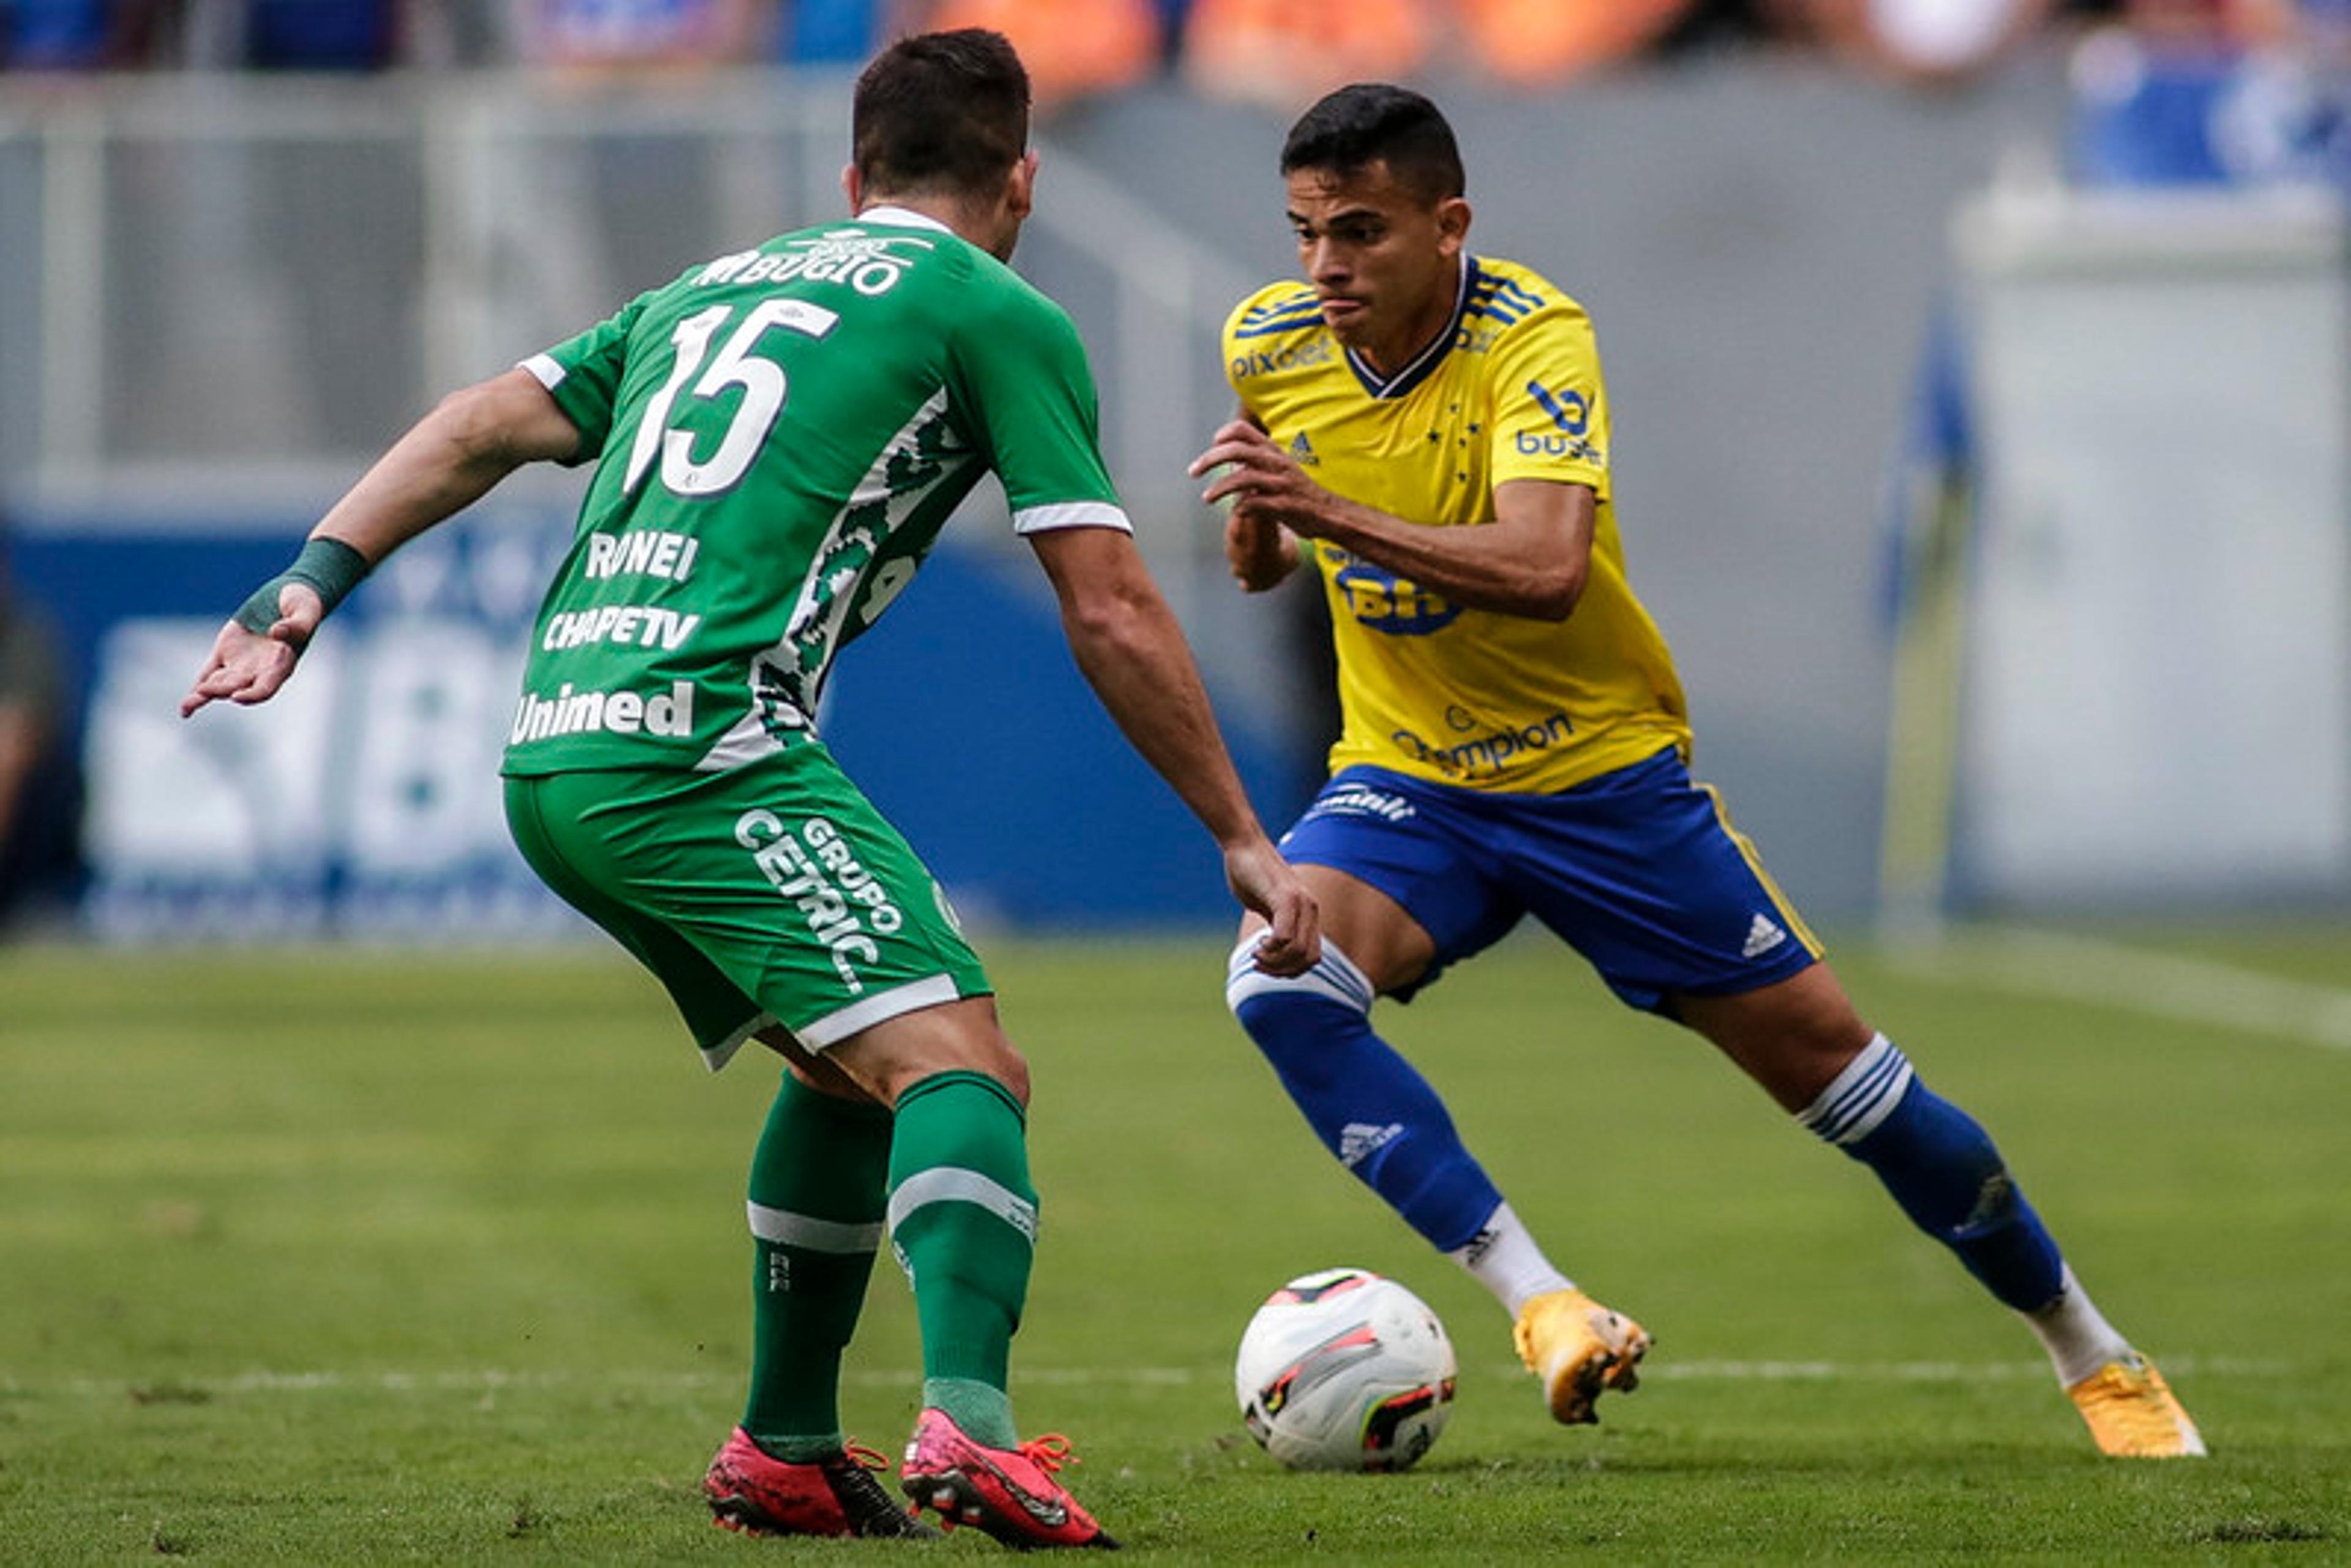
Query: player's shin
1944, 1171
816, 1211
963, 1220
1367, 1103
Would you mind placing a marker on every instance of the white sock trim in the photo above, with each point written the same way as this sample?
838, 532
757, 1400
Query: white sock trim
1334, 978
786, 1228
954, 1184
1862, 1096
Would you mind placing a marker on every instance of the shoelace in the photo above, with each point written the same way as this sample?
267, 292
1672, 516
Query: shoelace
864, 1458
2130, 1398
1048, 1453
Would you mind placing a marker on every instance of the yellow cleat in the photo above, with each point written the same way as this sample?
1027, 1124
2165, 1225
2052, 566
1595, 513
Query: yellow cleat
1579, 1348
2133, 1415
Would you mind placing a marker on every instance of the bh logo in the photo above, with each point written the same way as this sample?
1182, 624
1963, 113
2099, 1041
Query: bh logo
1385, 603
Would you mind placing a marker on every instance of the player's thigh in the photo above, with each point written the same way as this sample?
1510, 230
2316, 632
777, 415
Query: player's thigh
784, 878
541, 813
1404, 886
1378, 934
1642, 873
1792, 1037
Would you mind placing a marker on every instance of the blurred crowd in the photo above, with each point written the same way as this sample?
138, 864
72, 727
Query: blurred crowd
1279, 50
2251, 83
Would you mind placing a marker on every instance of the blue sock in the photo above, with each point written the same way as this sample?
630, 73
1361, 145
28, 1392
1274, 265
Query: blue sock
1366, 1104
1942, 1168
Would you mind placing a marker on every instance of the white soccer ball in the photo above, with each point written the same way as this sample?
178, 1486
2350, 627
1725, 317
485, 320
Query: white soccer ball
1344, 1370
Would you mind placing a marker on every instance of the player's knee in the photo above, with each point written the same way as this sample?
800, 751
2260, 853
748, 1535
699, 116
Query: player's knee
1334, 980
1011, 1069
990, 1052
957, 1040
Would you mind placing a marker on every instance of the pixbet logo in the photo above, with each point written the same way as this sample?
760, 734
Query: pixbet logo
1296, 356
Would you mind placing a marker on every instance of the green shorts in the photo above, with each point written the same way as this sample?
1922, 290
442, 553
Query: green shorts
772, 893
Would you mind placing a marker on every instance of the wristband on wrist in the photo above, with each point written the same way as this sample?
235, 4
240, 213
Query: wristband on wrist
329, 568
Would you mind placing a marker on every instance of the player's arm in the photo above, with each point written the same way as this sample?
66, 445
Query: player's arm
23, 735
1530, 560
1261, 552
448, 460
1133, 652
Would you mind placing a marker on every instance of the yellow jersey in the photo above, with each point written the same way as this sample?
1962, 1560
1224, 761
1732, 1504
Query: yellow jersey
1511, 390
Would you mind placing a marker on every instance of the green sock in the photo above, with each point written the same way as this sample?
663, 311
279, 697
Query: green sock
817, 1204
963, 1219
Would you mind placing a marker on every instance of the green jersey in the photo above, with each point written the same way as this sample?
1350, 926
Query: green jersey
778, 436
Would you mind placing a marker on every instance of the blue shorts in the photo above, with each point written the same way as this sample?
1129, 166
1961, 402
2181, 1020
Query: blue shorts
1637, 870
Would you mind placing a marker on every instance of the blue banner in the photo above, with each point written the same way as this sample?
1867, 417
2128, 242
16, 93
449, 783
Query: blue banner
363, 801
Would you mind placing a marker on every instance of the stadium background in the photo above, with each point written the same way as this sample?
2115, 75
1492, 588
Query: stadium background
371, 1254
222, 292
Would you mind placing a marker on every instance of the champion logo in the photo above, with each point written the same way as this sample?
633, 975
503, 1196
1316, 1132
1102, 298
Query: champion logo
1303, 449
1358, 1141
1762, 935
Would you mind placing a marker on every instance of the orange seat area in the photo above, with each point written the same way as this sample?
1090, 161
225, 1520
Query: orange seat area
1536, 43
1287, 53
1071, 48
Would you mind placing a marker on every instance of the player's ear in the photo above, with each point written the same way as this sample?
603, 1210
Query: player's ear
853, 185
1020, 187
1452, 223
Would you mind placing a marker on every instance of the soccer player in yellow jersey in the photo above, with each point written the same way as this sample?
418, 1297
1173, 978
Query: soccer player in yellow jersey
1431, 429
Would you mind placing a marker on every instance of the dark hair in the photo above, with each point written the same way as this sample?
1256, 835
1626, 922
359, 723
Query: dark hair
1373, 122
940, 114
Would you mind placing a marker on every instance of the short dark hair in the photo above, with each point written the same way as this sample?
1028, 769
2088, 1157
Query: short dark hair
940, 114
1374, 122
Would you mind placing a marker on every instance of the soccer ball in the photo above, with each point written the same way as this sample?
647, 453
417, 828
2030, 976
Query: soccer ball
1344, 1370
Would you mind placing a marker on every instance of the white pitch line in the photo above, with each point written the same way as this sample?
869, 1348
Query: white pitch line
493, 1379
2169, 985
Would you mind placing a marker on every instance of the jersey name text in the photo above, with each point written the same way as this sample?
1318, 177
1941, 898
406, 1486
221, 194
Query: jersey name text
642, 550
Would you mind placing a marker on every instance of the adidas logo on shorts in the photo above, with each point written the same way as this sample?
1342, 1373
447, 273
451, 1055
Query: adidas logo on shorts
1762, 935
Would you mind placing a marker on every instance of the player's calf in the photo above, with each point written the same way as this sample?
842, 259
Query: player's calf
1377, 1116
1941, 1166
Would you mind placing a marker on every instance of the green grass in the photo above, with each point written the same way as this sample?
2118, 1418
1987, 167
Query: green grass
327, 1258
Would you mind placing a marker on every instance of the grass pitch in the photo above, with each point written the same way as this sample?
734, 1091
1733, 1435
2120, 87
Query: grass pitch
327, 1258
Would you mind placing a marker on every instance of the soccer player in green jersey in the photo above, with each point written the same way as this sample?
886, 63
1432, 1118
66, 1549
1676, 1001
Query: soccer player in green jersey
777, 437
1430, 427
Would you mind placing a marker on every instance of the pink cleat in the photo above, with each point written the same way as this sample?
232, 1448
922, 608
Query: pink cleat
1007, 1493
752, 1492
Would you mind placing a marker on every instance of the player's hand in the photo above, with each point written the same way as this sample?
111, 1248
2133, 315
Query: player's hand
1268, 884
248, 667
1249, 468
1260, 551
